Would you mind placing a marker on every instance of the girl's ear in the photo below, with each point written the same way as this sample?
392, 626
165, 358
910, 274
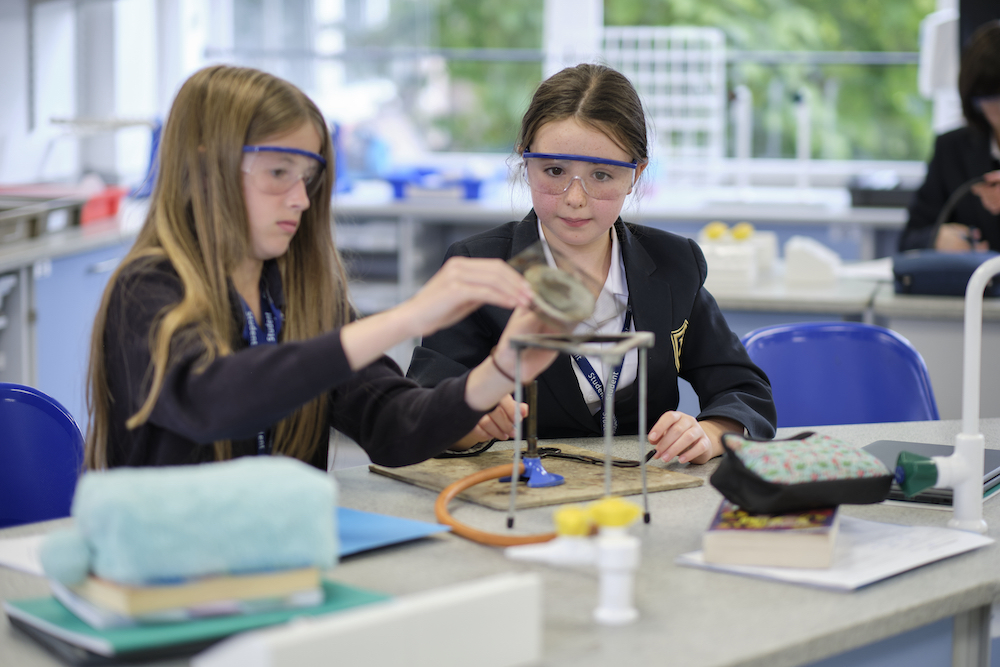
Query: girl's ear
638, 172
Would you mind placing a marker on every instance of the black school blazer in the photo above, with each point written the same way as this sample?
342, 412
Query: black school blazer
666, 275
958, 156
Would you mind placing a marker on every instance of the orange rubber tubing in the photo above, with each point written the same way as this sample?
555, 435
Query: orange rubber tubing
490, 539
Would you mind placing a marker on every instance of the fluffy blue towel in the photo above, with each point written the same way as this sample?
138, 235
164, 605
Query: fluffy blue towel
142, 526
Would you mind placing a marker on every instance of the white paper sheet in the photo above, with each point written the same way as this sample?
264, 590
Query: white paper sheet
876, 269
21, 553
866, 552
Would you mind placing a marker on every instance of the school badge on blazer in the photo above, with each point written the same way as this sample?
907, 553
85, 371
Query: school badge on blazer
677, 341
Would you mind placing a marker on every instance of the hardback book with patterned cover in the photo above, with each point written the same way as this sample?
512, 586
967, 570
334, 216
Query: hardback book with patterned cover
798, 539
213, 594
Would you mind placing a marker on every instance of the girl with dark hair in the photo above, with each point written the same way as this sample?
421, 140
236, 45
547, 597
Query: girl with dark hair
227, 331
583, 148
963, 156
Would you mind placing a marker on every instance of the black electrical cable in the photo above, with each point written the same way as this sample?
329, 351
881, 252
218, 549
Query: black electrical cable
952, 201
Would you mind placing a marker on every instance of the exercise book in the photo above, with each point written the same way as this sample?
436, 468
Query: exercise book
361, 531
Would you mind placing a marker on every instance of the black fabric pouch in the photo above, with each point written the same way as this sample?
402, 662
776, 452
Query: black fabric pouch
939, 273
806, 471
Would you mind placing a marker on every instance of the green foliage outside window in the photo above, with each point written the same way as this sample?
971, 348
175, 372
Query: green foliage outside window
860, 111
491, 96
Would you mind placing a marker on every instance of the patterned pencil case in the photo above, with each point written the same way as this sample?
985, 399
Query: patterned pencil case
806, 471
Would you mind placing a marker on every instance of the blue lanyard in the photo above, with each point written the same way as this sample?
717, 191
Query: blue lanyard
588, 372
254, 335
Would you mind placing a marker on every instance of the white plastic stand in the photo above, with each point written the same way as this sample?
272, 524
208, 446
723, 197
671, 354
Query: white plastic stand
617, 561
963, 470
614, 552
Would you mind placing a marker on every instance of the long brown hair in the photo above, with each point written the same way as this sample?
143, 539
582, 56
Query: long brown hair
198, 221
595, 95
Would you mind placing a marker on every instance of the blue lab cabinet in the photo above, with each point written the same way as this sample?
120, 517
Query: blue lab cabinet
67, 293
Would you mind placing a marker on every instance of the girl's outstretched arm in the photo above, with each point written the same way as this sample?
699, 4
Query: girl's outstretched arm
461, 286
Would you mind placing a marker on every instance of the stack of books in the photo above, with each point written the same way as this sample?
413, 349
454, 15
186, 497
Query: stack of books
799, 539
99, 619
64, 633
106, 604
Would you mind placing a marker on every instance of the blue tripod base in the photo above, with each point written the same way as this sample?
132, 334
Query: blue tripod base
536, 475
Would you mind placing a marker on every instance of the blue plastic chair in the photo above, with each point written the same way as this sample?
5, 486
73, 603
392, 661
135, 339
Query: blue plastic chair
41, 456
825, 373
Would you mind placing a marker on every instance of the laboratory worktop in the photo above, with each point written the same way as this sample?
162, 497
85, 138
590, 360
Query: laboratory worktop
687, 617
843, 298
69, 241
890, 305
819, 206
664, 207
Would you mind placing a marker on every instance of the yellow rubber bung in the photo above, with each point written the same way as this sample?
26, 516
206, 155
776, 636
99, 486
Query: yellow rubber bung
572, 520
716, 230
613, 512
742, 231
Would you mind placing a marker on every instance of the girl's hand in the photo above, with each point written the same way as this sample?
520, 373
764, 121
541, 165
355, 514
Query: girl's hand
491, 380
495, 425
692, 441
989, 192
525, 320
461, 286
953, 237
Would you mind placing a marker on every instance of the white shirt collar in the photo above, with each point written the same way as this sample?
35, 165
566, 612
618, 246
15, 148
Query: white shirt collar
613, 299
608, 318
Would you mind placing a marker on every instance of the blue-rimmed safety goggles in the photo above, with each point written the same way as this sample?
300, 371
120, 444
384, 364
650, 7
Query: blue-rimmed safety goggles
276, 169
979, 100
601, 178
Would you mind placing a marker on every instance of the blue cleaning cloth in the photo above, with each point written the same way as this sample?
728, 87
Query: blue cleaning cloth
143, 526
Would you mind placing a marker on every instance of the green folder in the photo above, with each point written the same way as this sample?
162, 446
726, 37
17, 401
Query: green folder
46, 618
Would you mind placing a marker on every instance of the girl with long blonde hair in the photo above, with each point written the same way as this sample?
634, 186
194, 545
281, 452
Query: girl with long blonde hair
227, 331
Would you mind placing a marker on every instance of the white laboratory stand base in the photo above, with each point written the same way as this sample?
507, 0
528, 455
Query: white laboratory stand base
494, 622
614, 552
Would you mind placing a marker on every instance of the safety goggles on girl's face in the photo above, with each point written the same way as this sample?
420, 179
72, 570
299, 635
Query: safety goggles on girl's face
986, 100
601, 178
274, 170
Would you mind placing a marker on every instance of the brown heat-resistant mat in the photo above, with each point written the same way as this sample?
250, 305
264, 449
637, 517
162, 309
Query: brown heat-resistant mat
584, 481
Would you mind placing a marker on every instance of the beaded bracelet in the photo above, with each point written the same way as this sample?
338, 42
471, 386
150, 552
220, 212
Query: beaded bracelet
502, 371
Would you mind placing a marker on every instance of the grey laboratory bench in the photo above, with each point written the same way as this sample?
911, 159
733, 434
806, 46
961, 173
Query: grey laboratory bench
935, 325
687, 617
56, 283
772, 301
424, 228
410, 237
50, 286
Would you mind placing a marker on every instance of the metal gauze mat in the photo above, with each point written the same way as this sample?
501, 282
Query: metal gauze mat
566, 296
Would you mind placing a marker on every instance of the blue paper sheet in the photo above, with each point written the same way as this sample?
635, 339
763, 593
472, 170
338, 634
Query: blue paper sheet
362, 531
